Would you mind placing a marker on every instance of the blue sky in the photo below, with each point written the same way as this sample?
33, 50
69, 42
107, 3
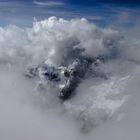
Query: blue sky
84, 2
102, 12
87, 2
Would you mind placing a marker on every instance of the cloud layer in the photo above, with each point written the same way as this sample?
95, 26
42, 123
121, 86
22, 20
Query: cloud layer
28, 113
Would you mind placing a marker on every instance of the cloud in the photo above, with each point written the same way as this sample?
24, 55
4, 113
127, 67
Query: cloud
48, 3
31, 115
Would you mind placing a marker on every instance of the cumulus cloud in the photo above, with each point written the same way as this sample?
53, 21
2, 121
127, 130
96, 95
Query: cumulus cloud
31, 114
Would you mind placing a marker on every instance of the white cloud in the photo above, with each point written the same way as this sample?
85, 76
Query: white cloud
27, 114
49, 3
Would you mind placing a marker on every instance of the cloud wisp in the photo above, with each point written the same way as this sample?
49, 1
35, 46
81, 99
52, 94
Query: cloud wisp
48, 3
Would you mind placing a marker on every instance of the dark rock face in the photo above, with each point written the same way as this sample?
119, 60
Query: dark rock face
69, 77
74, 73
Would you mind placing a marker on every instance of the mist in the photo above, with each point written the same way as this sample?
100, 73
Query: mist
101, 109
